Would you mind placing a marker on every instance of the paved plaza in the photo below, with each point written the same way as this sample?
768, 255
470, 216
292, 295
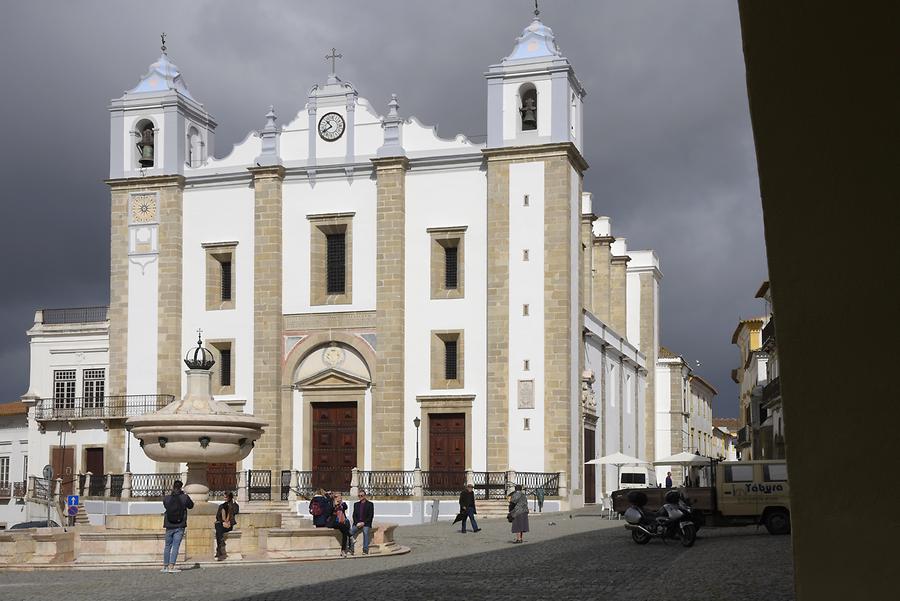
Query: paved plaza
582, 557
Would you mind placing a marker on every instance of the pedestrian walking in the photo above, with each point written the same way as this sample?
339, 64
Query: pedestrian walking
176, 504
340, 521
518, 513
363, 514
668, 479
467, 507
320, 508
226, 519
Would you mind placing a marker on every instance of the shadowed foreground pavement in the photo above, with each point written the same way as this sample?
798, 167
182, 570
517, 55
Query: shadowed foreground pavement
583, 557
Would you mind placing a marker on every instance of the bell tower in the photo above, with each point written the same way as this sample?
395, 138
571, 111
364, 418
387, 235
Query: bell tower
158, 127
534, 187
533, 94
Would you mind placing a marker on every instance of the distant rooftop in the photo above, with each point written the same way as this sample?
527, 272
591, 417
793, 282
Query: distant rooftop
74, 315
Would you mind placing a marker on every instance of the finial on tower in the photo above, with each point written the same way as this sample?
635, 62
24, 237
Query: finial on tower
162, 37
536, 10
199, 331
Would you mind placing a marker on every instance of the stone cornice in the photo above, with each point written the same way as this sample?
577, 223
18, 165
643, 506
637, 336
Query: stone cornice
619, 259
143, 183
538, 151
396, 162
607, 240
269, 171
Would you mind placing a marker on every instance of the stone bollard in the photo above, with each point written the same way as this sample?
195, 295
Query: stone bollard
242, 487
563, 486
295, 481
87, 484
510, 481
354, 482
418, 488
126, 485
107, 490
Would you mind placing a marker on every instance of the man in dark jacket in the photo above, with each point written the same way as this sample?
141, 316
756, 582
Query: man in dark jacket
226, 518
467, 506
363, 514
177, 504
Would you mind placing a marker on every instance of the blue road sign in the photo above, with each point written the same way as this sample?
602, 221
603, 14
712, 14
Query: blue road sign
72, 500
73, 511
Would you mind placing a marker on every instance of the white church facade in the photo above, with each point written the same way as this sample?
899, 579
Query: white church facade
384, 298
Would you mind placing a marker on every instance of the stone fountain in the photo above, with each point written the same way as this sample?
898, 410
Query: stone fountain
197, 430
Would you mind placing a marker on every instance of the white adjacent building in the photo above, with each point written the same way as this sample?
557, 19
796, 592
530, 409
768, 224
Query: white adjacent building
13, 463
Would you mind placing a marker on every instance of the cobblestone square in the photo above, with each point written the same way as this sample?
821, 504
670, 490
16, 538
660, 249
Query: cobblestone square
578, 557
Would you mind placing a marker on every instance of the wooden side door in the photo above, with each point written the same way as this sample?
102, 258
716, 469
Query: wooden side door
334, 445
590, 471
93, 461
63, 462
447, 450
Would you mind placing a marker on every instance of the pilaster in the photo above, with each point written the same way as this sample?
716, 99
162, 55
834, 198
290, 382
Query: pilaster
390, 312
273, 450
600, 284
618, 307
649, 345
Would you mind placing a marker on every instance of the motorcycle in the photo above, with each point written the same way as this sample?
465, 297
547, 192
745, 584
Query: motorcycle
674, 520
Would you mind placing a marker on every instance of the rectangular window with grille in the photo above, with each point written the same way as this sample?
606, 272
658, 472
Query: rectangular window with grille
226, 280
93, 387
64, 389
4, 471
450, 359
225, 367
335, 263
451, 265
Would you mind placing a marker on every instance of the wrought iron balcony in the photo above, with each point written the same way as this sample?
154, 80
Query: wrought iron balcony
771, 391
744, 437
99, 406
75, 315
15, 490
768, 334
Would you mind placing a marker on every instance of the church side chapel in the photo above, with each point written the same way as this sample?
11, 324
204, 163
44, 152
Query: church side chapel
385, 299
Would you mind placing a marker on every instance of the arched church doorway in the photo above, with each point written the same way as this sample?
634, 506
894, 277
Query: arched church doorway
332, 390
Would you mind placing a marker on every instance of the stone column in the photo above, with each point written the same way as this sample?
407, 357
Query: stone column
563, 484
618, 309
418, 487
87, 484
390, 313
242, 495
354, 482
510, 481
292, 492
126, 485
600, 258
107, 489
274, 448
497, 397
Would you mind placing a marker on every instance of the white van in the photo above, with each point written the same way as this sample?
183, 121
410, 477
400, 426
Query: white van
636, 477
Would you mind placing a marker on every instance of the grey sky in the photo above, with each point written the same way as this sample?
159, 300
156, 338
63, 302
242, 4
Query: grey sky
666, 118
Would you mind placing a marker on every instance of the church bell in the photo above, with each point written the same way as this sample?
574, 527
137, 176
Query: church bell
145, 147
529, 118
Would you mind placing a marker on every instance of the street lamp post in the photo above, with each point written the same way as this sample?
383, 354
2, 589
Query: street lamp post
416, 423
128, 452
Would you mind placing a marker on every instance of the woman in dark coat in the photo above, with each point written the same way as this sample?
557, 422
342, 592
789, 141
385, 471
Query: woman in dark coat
341, 522
518, 510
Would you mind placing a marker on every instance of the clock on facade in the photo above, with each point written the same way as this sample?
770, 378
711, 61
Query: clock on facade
143, 208
331, 127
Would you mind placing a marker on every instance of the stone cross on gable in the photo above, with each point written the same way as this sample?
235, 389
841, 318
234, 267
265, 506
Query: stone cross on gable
333, 58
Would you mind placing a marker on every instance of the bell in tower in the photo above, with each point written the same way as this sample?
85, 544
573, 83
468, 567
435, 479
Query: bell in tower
529, 113
145, 146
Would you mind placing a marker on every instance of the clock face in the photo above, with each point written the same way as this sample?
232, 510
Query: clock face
331, 127
143, 208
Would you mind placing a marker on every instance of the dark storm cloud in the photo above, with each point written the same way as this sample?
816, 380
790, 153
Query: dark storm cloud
667, 128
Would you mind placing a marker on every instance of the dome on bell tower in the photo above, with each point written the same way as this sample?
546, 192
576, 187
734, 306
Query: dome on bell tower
536, 41
163, 76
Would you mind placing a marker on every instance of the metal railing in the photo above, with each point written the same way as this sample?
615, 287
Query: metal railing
768, 333
771, 391
490, 485
259, 485
20, 489
40, 488
533, 482
99, 406
75, 315
285, 484
10, 490
221, 483
387, 483
443, 483
305, 486
150, 486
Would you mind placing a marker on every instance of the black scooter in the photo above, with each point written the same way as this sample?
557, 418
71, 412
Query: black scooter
674, 520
